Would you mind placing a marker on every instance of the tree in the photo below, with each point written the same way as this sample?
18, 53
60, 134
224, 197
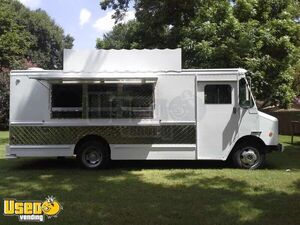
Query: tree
14, 39
14, 43
31, 35
68, 42
48, 39
4, 99
124, 36
27, 38
262, 36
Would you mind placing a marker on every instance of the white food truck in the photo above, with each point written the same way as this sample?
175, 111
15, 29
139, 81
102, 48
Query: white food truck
137, 105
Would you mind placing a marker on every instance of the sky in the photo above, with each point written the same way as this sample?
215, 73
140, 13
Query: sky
82, 19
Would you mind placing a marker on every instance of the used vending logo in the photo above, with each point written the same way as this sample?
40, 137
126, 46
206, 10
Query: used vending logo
32, 211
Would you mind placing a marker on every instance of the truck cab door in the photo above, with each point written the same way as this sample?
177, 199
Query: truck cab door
217, 118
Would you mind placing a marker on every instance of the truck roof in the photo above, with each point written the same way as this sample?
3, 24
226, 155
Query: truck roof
124, 63
202, 74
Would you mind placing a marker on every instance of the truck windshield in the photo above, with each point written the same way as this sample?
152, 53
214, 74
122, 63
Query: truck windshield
245, 98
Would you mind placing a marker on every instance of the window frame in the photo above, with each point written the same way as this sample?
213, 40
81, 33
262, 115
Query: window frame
150, 109
251, 99
219, 84
84, 109
65, 109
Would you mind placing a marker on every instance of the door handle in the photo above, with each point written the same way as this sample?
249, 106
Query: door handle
234, 110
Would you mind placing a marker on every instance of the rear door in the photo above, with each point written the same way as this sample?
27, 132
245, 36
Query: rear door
217, 118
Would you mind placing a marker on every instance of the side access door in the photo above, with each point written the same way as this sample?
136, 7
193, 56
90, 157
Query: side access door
217, 118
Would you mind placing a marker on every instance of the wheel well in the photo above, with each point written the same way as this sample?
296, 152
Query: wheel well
90, 138
249, 139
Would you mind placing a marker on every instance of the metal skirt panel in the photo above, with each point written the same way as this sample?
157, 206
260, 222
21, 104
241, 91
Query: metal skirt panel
41, 135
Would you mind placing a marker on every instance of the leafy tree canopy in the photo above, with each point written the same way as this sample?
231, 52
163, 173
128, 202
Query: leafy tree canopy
14, 39
30, 35
262, 36
27, 38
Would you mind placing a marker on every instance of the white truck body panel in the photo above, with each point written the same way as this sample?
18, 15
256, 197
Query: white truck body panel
122, 60
179, 110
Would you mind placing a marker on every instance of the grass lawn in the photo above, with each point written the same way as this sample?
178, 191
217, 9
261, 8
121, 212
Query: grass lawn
158, 192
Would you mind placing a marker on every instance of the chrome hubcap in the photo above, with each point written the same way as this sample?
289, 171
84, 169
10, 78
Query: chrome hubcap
92, 157
249, 157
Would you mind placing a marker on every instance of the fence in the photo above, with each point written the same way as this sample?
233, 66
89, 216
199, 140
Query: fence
284, 118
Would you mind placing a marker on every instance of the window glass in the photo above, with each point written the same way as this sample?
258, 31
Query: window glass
245, 98
102, 100
120, 100
106, 100
66, 101
217, 94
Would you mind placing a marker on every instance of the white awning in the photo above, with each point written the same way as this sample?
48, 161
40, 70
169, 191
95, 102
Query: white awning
105, 81
95, 77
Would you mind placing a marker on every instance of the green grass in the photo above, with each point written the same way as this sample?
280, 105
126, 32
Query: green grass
193, 192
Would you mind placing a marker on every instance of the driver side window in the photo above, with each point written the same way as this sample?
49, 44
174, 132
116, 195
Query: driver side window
245, 98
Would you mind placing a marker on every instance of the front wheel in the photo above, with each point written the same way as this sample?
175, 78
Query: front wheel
249, 157
93, 155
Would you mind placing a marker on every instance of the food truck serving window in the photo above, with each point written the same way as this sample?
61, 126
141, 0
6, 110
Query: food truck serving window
120, 100
102, 100
66, 101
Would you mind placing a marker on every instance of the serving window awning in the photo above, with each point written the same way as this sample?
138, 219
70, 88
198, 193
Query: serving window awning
95, 78
106, 81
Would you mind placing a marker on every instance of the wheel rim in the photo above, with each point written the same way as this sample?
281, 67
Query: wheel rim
250, 157
91, 157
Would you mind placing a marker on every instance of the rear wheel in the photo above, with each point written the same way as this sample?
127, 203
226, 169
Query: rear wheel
93, 154
249, 157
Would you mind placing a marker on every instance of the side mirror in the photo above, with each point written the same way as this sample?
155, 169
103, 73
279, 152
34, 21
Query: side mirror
246, 104
250, 82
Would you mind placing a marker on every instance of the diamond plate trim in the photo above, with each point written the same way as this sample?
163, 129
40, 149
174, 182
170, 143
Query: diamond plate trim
166, 134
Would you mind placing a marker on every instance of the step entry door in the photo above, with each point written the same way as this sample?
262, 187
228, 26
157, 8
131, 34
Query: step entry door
217, 118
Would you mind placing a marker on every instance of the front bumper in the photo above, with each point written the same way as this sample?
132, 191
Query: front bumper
275, 148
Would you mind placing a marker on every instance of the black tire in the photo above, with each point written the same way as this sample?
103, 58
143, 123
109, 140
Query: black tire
93, 154
249, 156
